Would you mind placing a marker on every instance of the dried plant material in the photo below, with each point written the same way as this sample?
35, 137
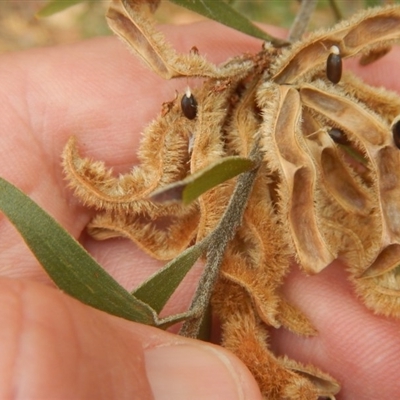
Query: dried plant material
387, 260
163, 239
325, 183
374, 55
164, 159
322, 383
129, 20
360, 34
294, 320
384, 103
381, 293
332, 105
298, 176
219, 240
244, 335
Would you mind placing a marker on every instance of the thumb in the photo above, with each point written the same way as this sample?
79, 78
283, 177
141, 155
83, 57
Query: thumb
52, 346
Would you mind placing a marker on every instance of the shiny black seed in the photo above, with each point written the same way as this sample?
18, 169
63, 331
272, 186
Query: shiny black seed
338, 136
396, 133
334, 67
189, 106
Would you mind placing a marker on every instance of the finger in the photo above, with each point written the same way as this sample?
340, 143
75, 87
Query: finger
54, 347
361, 350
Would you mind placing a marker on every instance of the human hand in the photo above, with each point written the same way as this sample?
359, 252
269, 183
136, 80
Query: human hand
55, 347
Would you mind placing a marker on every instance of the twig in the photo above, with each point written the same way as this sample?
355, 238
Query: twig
336, 10
221, 236
302, 19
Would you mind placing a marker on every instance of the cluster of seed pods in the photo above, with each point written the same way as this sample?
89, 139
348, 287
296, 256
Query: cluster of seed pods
327, 187
357, 190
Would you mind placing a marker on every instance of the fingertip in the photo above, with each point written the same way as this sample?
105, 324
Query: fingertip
194, 370
184, 368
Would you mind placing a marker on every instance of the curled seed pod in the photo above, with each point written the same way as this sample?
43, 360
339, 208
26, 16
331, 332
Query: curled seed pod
334, 65
189, 105
338, 136
396, 131
374, 54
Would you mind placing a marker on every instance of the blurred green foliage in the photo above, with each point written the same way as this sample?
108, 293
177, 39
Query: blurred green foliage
20, 28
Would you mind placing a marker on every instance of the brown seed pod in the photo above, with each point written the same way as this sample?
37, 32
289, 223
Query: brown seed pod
334, 65
396, 131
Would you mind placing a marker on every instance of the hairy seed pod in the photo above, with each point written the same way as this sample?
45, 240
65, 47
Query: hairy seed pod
334, 65
396, 131
338, 136
189, 105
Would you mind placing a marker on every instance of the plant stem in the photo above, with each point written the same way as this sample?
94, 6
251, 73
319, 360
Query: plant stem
336, 10
302, 19
220, 238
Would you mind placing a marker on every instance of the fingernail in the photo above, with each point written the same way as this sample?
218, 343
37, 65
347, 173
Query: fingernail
197, 372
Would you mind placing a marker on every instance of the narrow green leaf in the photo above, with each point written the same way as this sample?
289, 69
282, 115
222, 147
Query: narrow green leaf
165, 323
223, 170
372, 3
69, 265
159, 288
190, 188
223, 13
56, 6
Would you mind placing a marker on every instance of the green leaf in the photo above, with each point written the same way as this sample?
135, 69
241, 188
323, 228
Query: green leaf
223, 13
56, 6
69, 265
190, 188
372, 3
159, 288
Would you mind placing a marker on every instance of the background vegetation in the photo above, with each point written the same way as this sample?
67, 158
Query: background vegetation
21, 29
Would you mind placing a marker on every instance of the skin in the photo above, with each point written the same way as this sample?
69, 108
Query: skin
52, 346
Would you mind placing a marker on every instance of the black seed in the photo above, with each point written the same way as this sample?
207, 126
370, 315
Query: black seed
334, 65
396, 133
189, 105
338, 136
